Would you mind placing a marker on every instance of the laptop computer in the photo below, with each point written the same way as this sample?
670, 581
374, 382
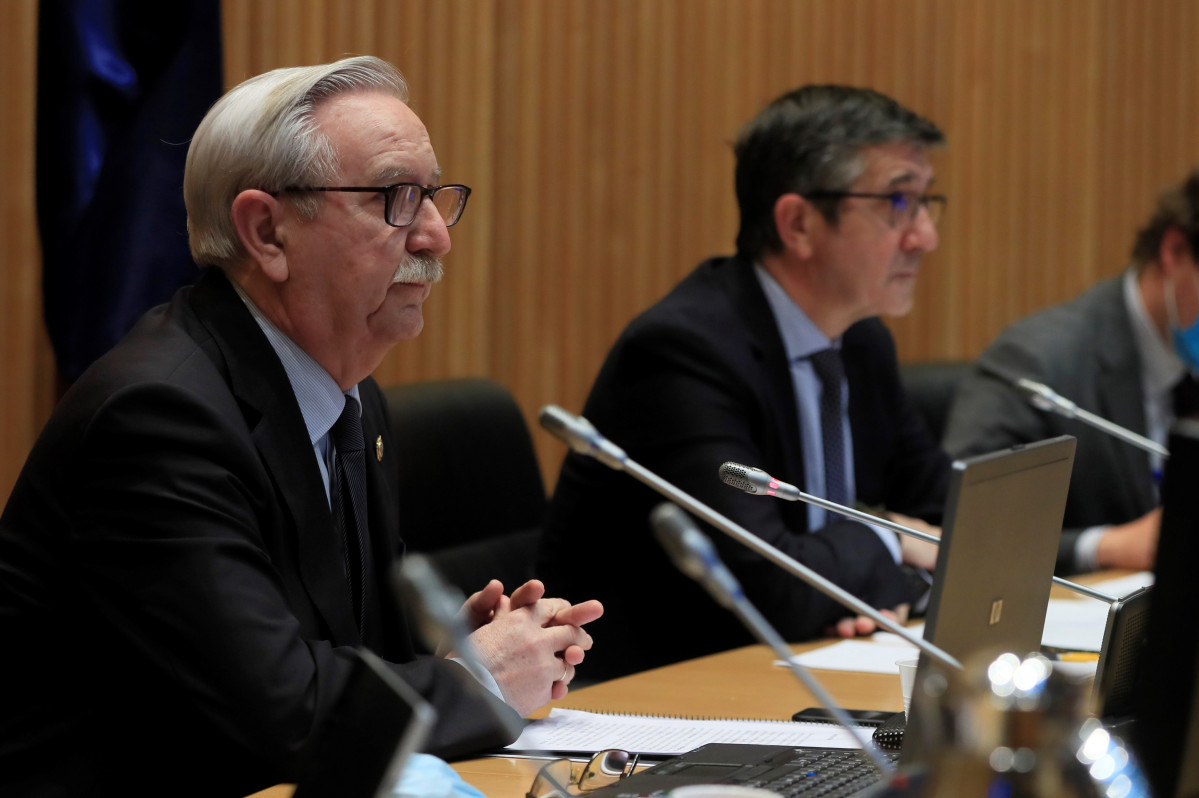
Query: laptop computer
991, 585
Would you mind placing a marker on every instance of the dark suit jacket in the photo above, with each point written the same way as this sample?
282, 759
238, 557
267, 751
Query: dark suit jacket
172, 597
1085, 351
698, 379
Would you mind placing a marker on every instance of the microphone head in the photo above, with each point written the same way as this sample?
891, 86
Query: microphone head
435, 602
741, 477
681, 540
581, 436
556, 422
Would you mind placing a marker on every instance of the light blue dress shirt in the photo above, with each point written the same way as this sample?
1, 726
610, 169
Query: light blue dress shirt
801, 339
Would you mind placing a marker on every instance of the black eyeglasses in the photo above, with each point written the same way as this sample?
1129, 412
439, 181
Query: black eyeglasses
402, 201
904, 204
606, 767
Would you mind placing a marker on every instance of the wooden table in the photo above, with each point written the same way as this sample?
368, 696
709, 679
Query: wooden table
743, 683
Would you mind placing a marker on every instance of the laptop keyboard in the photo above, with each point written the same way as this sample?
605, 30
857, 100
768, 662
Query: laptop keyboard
830, 773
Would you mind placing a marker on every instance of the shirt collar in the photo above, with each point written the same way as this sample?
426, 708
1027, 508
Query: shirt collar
1161, 368
320, 398
801, 337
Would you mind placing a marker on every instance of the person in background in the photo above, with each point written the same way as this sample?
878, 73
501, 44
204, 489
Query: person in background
203, 532
773, 358
1125, 350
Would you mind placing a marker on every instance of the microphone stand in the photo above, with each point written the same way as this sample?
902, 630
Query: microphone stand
746, 478
579, 434
695, 556
1047, 400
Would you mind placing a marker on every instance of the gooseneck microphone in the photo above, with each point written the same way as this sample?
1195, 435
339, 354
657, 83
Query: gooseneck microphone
694, 555
1047, 400
582, 437
757, 482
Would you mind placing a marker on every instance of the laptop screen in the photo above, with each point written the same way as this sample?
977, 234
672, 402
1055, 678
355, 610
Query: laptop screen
999, 543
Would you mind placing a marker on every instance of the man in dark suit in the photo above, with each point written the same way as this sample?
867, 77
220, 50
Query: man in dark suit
1111, 351
731, 365
202, 534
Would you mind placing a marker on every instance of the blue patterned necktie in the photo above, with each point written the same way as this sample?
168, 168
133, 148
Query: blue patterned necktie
830, 371
348, 500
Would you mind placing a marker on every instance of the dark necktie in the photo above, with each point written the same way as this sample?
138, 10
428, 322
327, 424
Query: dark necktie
348, 502
1186, 396
828, 368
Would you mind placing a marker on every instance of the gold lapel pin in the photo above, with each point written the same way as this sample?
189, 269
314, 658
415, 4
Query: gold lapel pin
379, 448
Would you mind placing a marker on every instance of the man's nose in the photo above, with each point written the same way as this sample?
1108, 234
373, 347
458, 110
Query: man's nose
428, 232
922, 235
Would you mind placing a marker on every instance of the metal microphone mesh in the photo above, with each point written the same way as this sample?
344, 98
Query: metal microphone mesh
736, 476
552, 421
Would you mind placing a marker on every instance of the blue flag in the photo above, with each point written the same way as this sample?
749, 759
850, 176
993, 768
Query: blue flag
122, 85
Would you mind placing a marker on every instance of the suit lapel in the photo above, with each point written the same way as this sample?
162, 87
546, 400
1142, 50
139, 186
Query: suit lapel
1120, 395
778, 388
258, 380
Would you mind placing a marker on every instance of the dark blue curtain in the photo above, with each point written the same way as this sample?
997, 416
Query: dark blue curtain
122, 85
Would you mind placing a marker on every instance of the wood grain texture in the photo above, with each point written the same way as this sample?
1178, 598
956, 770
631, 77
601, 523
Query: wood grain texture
596, 135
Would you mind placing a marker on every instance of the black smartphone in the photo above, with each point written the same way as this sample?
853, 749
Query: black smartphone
871, 718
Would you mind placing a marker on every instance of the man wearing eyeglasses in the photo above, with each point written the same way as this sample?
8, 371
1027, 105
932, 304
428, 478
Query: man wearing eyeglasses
203, 532
773, 358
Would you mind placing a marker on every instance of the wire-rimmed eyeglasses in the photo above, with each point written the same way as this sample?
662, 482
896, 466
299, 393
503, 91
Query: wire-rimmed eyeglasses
402, 201
606, 767
904, 205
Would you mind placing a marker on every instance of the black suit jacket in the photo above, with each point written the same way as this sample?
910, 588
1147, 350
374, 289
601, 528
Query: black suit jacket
172, 595
1084, 350
698, 379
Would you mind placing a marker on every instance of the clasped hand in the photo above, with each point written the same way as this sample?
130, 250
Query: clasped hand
529, 643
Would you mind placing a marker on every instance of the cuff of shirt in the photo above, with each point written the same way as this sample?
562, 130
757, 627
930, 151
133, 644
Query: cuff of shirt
890, 540
482, 676
1086, 548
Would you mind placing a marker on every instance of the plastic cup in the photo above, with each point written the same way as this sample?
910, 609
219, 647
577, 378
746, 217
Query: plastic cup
907, 681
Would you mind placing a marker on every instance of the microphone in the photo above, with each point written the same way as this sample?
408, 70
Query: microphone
694, 555
582, 437
436, 605
1047, 400
757, 482
578, 433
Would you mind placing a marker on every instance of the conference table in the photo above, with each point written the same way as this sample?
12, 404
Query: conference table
742, 683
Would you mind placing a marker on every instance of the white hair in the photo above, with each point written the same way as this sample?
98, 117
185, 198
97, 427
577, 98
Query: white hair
261, 135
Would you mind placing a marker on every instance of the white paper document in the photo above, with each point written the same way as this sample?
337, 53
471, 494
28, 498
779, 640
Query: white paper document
1122, 586
572, 730
857, 655
1075, 624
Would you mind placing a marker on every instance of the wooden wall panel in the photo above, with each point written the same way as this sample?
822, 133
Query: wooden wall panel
596, 135
27, 380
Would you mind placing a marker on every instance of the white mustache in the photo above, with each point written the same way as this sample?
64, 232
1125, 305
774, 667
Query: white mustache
419, 269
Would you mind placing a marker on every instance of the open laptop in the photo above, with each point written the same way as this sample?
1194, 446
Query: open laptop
1003, 519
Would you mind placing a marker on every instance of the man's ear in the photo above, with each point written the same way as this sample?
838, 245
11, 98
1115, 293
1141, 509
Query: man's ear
1174, 251
794, 218
256, 216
